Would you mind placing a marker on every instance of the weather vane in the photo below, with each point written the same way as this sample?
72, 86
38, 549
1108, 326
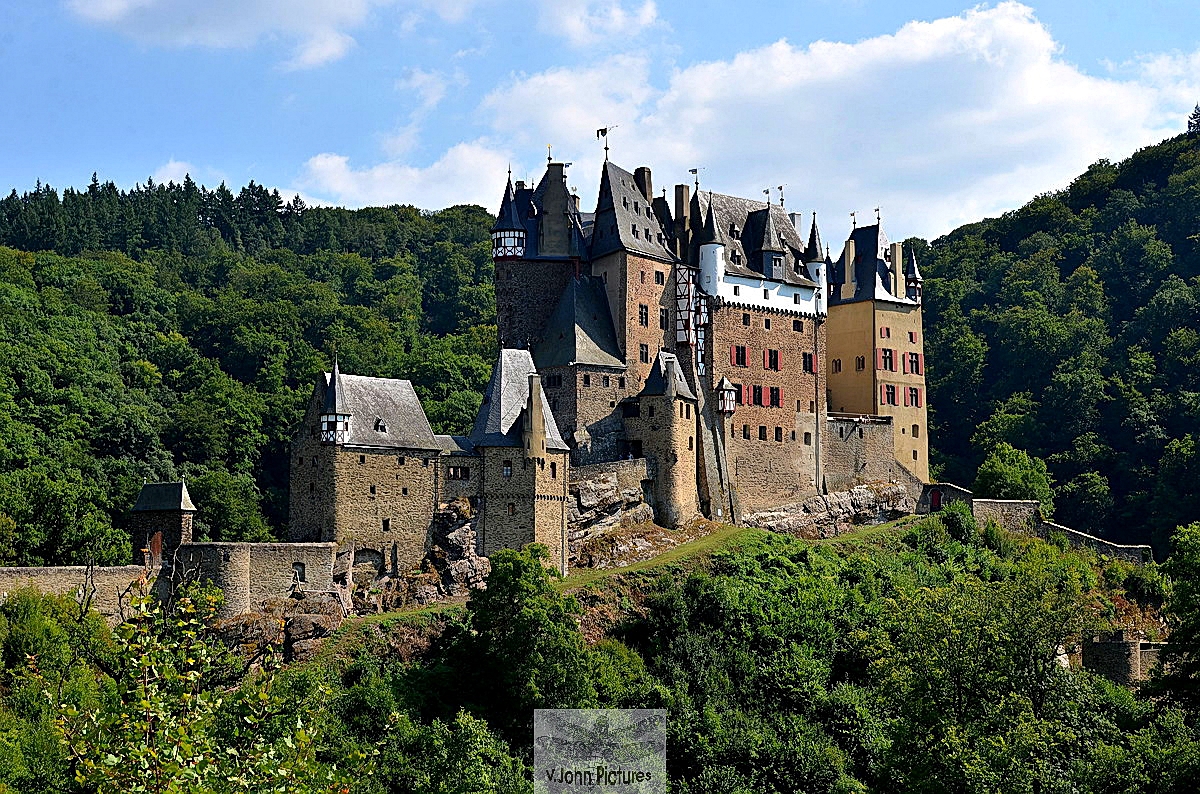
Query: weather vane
603, 133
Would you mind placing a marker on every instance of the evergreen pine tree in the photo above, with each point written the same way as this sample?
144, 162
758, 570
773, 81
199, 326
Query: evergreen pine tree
1194, 121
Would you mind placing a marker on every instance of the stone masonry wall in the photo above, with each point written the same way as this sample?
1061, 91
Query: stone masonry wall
597, 422
310, 492
858, 450
468, 488
1015, 515
252, 573
376, 486
768, 472
107, 585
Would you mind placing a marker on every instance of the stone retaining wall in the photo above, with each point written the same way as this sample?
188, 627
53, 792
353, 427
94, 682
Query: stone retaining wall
605, 496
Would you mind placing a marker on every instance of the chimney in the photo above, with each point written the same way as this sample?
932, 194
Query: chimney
897, 269
520, 184
642, 177
683, 219
850, 265
797, 221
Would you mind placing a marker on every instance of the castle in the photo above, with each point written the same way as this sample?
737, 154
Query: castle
713, 341
708, 356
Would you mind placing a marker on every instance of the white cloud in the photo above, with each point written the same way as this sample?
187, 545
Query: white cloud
591, 22
468, 173
172, 171
317, 30
941, 123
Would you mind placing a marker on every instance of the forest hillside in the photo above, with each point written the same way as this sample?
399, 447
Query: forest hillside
175, 330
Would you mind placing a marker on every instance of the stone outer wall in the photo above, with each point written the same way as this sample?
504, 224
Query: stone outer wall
538, 495
769, 473
1025, 516
830, 515
1122, 656
460, 489
667, 429
1015, 515
406, 486
108, 585
857, 450
597, 418
250, 574
311, 491
526, 293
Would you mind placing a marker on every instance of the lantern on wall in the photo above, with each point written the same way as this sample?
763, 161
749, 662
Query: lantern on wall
726, 396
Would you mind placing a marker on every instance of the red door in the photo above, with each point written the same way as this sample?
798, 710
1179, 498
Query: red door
935, 501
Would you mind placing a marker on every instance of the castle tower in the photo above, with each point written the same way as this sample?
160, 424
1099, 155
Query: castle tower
876, 342
665, 425
537, 243
525, 462
161, 521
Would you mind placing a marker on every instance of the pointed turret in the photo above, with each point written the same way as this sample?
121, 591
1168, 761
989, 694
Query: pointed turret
708, 232
508, 233
770, 235
813, 251
912, 279
335, 415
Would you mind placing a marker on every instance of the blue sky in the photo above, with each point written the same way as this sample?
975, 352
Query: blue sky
937, 112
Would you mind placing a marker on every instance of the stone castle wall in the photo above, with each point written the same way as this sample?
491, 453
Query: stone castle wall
856, 450
251, 574
105, 586
780, 468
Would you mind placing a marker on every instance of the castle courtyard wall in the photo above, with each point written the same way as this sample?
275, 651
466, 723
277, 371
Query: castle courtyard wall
857, 450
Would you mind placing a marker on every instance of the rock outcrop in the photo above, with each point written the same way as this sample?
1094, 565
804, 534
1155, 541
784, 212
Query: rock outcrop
834, 514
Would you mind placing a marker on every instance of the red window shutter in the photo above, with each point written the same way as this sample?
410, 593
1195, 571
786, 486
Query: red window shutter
920, 398
906, 398
904, 363
733, 355
895, 355
779, 359
781, 402
920, 363
882, 394
879, 358
816, 364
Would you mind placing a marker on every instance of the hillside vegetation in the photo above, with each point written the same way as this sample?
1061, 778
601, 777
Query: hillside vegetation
1068, 329
919, 658
172, 330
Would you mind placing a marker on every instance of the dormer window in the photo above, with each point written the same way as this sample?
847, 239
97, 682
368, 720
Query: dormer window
625, 201
380, 425
734, 232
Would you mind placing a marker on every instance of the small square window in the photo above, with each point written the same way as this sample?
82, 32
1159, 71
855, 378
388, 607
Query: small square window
778, 434
372, 489
808, 439
587, 379
660, 277
362, 459
766, 294
745, 319
644, 353
737, 290
387, 525
606, 381
762, 432
798, 325
404, 491
767, 323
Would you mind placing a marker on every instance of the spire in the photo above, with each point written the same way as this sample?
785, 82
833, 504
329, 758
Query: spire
912, 273
335, 393
708, 233
770, 235
508, 220
812, 251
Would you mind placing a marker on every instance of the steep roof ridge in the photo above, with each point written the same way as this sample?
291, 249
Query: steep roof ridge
508, 219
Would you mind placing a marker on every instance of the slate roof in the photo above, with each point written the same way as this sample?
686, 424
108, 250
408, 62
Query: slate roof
872, 272
392, 402
164, 496
508, 219
498, 423
752, 221
455, 445
580, 331
656, 381
334, 402
619, 208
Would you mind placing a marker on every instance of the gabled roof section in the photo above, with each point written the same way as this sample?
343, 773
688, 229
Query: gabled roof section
164, 497
872, 273
498, 423
384, 412
580, 331
508, 219
620, 208
666, 369
740, 224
